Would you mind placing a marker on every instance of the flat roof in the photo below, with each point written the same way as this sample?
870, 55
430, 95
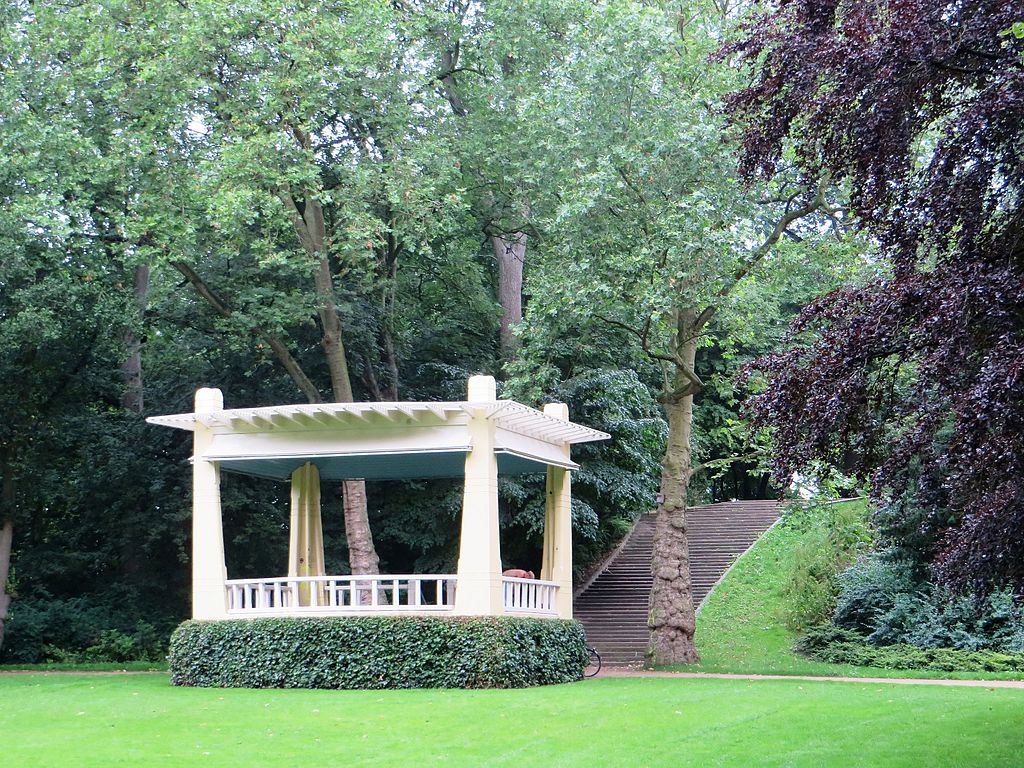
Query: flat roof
507, 414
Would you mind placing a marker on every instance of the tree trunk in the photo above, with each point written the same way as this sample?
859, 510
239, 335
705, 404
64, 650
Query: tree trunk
510, 254
386, 339
332, 342
131, 368
671, 619
6, 536
362, 555
361, 552
387, 344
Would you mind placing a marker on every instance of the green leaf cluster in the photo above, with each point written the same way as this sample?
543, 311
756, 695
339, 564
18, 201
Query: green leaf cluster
378, 652
842, 646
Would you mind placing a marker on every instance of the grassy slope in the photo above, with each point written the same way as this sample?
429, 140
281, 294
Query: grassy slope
106, 720
739, 629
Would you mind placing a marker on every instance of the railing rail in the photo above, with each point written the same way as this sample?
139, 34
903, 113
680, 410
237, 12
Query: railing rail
343, 594
390, 593
529, 595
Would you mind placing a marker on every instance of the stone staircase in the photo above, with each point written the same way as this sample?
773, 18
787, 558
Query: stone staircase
613, 607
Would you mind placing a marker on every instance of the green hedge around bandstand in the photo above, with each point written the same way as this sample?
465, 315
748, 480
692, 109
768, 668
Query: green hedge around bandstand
377, 652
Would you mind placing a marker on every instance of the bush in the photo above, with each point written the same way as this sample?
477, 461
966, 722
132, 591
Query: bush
836, 645
868, 589
377, 652
77, 630
887, 601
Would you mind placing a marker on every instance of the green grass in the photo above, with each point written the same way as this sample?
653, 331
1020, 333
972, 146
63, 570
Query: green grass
139, 720
740, 627
99, 666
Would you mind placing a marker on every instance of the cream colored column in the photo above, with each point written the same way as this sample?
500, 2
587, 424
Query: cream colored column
306, 533
478, 592
209, 594
557, 563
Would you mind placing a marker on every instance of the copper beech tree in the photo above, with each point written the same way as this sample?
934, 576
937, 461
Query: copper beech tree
914, 381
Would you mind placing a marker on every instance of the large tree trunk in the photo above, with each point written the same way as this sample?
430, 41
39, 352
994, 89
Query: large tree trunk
671, 618
362, 555
510, 253
131, 368
6, 535
311, 229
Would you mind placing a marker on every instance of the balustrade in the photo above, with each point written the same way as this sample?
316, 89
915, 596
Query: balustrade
342, 594
529, 595
416, 593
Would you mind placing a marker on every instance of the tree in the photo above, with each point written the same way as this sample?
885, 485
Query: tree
645, 228
912, 381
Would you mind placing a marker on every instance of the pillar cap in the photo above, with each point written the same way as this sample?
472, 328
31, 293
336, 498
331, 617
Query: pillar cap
209, 400
558, 410
481, 389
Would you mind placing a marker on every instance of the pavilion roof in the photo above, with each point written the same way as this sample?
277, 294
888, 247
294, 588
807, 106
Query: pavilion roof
507, 414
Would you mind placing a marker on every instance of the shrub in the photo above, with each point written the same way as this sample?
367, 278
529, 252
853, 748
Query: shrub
78, 630
836, 645
886, 600
377, 652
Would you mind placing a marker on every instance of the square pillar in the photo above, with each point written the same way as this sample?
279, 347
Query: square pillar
478, 592
557, 563
305, 531
209, 572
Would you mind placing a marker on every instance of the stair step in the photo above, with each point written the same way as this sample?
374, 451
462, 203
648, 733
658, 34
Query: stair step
613, 609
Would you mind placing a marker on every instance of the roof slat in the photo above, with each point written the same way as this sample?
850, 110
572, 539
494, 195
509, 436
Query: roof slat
508, 414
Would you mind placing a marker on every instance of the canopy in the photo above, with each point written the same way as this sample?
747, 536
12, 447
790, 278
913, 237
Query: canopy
377, 441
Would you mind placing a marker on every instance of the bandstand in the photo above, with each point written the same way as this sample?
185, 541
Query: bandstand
478, 439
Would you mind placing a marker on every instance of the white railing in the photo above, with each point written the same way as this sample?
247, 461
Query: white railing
529, 595
342, 594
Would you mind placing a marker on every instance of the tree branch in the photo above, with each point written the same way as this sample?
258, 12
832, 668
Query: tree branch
643, 337
280, 350
777, 232
725, 462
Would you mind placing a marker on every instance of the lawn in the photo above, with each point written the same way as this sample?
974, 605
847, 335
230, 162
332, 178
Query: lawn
139, 720
739, 628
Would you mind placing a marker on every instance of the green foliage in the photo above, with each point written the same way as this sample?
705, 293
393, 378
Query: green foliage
888, 602
617, 479
80, 630
377, 652
842, 646
831, 537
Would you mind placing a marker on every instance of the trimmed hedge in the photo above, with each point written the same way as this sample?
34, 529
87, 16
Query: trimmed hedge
377, 652
842, 646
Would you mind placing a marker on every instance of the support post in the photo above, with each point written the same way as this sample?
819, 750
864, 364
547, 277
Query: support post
209, 572
305, 532
478, 592
557, 563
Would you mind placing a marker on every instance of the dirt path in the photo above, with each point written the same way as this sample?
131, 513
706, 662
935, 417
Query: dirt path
628, 672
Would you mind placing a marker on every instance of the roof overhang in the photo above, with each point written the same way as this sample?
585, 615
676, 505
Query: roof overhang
508, 414
381, 441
